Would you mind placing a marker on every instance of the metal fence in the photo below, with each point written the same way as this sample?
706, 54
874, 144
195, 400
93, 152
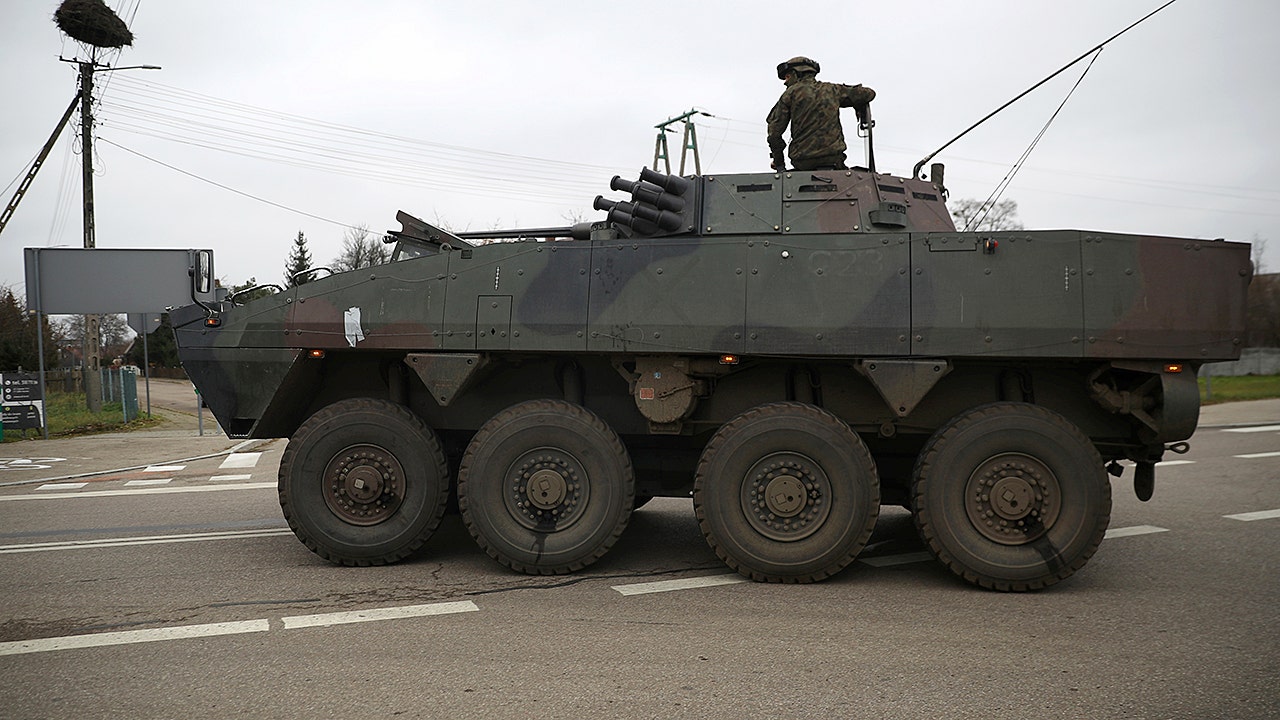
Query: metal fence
119, 384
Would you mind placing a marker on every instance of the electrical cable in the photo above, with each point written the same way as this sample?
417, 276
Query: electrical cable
994, 197
226, 187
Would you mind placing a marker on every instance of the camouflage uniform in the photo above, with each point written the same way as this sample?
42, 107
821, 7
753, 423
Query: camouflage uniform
812, 108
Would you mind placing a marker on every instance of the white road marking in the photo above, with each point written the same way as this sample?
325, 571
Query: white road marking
890, 560
62, 486
375, 614
240, 460
164, 468
181, 632
129, 637
1135, 530
141, 540
4, 465
152, 481
1162, 463
1255, 456
142, 491
218, 478
1256, 428
685, 584
1260, 515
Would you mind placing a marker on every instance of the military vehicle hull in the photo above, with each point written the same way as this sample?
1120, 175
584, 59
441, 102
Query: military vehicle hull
790, 358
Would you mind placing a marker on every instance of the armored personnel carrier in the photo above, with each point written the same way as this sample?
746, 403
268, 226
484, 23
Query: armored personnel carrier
792, 350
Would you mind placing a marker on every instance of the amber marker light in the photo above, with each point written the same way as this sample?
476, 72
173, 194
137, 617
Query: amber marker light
1173, 368
728, 359
315, 353
212, 322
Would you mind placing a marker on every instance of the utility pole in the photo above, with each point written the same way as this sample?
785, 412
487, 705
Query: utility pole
92, 332
97, 28
92, 345
689, 142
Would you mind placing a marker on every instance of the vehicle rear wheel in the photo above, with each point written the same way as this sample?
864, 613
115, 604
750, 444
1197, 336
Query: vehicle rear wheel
363, 482
546, 487
1011, 496
786, 492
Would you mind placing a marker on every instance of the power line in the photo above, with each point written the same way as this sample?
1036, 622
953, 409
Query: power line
226, 187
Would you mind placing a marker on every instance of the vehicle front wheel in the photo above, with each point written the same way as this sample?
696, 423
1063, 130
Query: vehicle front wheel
363, 482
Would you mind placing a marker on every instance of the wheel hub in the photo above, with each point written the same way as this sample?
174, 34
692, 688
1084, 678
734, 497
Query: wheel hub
545, 490
364, 485
786, 496
1012, 499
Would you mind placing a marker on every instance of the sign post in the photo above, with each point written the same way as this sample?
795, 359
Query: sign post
23, 402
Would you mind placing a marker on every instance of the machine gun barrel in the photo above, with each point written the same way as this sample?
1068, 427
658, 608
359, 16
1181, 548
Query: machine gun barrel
579, 231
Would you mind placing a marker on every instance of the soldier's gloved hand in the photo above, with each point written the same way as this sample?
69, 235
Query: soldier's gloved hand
779, 162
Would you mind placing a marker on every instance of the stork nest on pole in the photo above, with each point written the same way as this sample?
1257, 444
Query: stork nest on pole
93, 23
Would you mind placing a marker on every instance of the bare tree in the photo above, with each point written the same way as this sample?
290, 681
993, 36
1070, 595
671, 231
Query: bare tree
361, 249
112, 329
976, 216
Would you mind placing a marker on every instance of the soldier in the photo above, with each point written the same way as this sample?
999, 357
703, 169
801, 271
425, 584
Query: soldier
812, 108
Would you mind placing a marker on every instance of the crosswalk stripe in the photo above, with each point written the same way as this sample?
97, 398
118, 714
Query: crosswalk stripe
62, 486
240, 460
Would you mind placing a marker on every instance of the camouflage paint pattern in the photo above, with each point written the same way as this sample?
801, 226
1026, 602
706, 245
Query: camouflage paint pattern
838, 268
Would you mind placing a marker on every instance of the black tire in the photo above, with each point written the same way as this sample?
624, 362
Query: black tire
1053, 507
363, 482
584, 495
786, 492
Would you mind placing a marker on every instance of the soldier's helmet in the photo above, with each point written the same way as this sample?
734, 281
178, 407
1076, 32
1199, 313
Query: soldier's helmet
799, 64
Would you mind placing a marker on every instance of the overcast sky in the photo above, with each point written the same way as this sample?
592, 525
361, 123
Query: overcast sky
271, 118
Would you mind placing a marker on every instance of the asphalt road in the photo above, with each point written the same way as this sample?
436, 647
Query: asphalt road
169, 586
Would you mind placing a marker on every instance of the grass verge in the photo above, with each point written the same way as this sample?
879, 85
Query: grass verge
1242, 387
67, 415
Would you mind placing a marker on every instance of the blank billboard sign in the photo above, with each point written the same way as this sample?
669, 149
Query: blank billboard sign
78, 281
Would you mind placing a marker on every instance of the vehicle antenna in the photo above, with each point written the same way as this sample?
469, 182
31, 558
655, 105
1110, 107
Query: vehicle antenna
915, 172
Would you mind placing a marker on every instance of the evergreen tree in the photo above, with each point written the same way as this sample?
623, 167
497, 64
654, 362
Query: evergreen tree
162, 350
299, 262
18, 346
13, 332
252, 282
